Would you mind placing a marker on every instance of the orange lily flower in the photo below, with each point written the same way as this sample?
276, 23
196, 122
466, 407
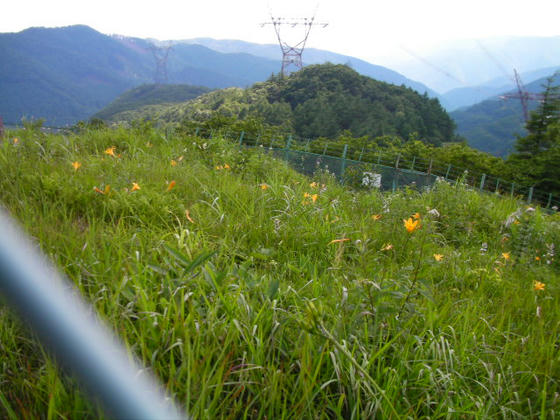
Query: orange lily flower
411, 225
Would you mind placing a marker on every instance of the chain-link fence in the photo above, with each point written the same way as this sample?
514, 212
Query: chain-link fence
374, 169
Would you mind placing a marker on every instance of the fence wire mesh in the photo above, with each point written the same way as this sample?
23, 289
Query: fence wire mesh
374, 169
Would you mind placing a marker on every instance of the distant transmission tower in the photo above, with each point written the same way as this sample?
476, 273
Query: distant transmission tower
291, 54
523, 95
160, 55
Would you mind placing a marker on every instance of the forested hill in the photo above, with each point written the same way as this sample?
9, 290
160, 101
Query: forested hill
320, 100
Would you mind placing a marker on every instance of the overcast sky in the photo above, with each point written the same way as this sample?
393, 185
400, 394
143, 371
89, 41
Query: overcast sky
370, 30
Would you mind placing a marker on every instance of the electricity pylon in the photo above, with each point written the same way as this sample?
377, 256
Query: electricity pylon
523, 95
160, 55
291, 54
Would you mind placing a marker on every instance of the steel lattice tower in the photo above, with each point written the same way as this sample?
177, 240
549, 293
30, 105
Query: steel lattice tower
291, 54
523, 95
160, 55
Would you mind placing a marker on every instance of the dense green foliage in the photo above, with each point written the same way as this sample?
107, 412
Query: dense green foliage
303, 305
149, 95
321, 101
426, 157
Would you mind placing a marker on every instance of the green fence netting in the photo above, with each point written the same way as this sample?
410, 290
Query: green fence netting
374, 169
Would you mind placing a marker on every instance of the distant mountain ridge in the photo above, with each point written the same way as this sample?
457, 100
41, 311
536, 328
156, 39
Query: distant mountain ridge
466, 96
314, 56
492, 125
70, 73
477, 62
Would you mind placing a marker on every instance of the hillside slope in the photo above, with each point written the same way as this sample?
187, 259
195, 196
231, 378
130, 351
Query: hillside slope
149, 94
65, 74
252, 291
321, 100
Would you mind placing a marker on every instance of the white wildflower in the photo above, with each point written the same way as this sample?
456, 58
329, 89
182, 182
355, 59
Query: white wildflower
433, 212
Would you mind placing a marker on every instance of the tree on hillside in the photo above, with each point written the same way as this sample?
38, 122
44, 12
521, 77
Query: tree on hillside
547, 113
537, 157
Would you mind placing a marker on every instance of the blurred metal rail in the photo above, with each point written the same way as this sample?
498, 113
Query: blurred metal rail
52, 307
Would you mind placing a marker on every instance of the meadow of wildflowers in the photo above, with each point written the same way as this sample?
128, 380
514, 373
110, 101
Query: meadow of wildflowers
252, 291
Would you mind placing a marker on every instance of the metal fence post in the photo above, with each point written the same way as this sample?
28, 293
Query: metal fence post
287, 148
512, 188
430, 167
448, 170
549, 200
530, 197
197, 131
482, 179
413, 162
241, 137
343, 164
497, 186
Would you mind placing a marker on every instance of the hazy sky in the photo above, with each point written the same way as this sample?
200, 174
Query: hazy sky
371, 30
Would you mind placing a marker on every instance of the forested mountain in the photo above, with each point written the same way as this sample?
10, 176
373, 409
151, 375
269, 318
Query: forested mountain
64, 74
321, 100
150, 94
493, 125
68, 74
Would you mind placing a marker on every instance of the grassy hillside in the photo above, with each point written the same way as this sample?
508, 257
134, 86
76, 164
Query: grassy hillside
319, 101
149, 95
311, 300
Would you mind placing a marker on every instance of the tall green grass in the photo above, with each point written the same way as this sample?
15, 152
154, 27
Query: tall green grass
250, 300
